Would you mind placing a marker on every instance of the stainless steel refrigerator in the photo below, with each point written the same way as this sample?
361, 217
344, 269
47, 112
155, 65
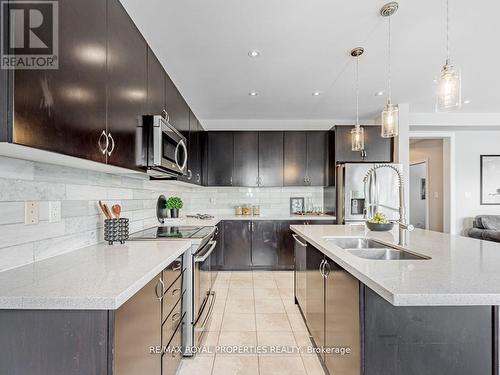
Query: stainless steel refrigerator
353, 196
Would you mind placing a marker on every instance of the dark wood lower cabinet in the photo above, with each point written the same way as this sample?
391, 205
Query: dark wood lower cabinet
265, 243
362, 333
237, 245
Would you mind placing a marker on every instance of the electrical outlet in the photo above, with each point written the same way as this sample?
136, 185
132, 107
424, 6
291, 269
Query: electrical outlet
31, 212
54, 212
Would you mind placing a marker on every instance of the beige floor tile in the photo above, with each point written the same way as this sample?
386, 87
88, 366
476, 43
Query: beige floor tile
303, 340
263, 275
241, 275
237, 293
238, 322
272, 322
231, 338
241, 284
297, 322
198, 365
281, 365
284, 282
312, 365
264, 283
283, 275
236, 365
291, 308
221, 293
276, 338
269, 306
210, 341
221, 284
266, 293
220, 306
286, 293
215, 322
224, 275
240, 306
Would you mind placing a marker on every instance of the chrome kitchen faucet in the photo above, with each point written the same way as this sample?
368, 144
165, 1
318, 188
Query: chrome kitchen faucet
370, 180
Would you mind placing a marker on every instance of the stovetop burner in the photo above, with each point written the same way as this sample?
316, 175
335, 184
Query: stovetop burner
171, 232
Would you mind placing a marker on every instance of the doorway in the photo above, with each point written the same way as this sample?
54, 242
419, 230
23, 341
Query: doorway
419, 202
430, 179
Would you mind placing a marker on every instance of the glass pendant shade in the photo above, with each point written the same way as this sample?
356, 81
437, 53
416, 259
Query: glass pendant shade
449, 90
358, 138
390, 121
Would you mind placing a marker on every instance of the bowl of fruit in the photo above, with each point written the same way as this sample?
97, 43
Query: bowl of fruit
379, 223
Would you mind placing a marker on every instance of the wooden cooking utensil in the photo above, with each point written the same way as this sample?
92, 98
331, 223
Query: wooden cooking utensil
104, 211
116, 209
107, 211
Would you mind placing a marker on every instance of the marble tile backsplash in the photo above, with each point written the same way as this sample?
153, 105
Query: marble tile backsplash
81, 220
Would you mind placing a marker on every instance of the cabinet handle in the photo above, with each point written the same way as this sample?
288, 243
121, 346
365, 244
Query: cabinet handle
177, 268
190, 174
112, 144
299, 241
197, 177
165, 115
99, 142
231, 180
252, 226
176, 291
321, 270
216, 230
326, 269
176, 317
159, 294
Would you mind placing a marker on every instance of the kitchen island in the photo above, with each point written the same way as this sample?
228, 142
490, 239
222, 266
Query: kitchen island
434, 315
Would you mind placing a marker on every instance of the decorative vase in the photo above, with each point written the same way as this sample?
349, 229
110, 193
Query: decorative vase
174, 213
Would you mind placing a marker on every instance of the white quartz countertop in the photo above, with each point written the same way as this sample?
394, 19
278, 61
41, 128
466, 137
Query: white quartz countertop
99, 277
461, 271
187, 221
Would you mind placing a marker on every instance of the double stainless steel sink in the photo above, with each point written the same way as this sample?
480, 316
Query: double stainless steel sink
375, 250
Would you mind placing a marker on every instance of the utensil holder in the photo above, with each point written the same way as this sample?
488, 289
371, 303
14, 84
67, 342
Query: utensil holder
116, 230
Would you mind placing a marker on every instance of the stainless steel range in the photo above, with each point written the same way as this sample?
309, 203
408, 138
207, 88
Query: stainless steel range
198, 277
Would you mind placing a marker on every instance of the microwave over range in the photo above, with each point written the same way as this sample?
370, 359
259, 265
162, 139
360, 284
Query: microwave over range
163, 150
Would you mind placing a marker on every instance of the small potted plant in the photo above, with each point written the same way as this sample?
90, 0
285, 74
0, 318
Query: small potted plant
174, 204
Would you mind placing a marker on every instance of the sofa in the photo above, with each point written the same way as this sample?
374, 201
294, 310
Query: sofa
486, 227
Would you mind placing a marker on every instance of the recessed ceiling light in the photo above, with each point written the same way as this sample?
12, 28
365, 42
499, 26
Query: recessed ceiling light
253, 93
467, 101
316, 93
379, 93
254, 53
435, 80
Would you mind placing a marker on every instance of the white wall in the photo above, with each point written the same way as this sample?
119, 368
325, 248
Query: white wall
78, 191
469, 146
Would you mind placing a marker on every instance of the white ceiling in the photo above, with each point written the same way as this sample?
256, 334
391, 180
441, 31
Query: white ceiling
305, 46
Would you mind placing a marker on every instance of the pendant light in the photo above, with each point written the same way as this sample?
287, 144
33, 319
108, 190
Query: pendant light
390, 114
357, 133
449, 89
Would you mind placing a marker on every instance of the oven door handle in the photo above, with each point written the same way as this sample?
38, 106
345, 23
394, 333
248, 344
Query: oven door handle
202, 258
210, 310
183, 145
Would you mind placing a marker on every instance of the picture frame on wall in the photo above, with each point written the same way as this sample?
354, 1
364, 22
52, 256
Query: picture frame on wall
490, 179
297, 205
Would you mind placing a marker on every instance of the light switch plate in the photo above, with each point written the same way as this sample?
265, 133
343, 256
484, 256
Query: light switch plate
54, 212
31, 212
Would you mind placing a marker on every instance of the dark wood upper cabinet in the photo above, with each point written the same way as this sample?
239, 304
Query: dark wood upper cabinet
265, 243
127, 83
317, 145
271, 158
246, 158
64, 110
237, 244
377, 149
176, 107
156, 85
220, 158
295, 158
